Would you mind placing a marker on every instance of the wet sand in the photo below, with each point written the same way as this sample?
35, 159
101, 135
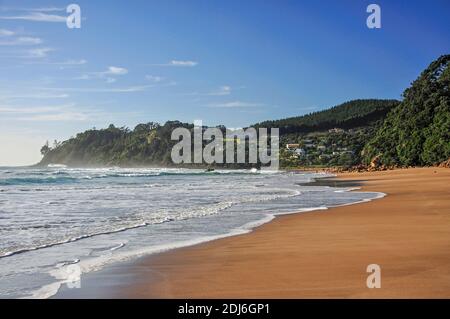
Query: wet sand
322, 254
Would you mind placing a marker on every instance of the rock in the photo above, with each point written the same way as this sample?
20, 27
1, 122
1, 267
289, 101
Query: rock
445, 164
375, 162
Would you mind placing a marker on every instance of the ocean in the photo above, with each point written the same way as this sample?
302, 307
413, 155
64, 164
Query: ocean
54, 217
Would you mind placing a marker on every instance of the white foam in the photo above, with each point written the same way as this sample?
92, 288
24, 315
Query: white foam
145, 218
96, 264
56, 166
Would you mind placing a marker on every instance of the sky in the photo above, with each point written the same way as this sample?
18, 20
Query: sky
223, 62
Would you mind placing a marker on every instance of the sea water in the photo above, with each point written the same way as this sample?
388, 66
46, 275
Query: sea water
58, 216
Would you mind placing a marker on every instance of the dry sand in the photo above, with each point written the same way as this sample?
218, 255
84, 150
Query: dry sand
323, 253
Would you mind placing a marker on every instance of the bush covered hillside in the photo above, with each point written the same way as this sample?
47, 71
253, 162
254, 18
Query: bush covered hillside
417, 131
332, 137
150, 144
348, 115
147, 144
413, 132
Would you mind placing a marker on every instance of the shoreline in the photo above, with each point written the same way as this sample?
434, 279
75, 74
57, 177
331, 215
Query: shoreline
290, 256
95, 280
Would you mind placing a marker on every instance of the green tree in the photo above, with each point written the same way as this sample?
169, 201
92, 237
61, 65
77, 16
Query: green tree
416, 132
45, 149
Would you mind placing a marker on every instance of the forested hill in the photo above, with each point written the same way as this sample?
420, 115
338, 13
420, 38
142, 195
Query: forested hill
150, 144
356, 113
146, 145
417, 131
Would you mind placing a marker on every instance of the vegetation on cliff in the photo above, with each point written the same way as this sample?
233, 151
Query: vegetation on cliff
411, 132
417, 131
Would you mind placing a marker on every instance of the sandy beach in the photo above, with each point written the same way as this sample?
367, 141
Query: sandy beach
322, 254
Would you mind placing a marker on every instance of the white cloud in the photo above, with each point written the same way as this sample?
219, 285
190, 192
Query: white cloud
41, 9
6, 33
39, 52
37, 16
235, 104
223, 90
154, 78
62, 64
28, 40
115, 70
46, 9
83, 77
182, 63
40, 113
72, 62
65, 112
70, 114
111, 71
35, 96
130, 89
66, 62
28, 110
179, 63
22, 41
56, 117
124, 90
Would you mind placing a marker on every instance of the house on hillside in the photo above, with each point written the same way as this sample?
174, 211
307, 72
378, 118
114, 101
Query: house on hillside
335, 130
292, 147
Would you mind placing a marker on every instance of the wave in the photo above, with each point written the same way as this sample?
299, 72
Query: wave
117, 247
157, 218
34, 180
56, 166
69, 240
64, 175
67, 262
95, 264
104, 213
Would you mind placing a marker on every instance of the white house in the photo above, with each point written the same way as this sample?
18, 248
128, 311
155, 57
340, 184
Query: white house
291, 147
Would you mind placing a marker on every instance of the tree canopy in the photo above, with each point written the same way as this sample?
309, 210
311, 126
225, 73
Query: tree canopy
414, 131
417, 131
361, 112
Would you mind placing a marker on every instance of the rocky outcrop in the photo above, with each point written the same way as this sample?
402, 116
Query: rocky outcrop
445, 164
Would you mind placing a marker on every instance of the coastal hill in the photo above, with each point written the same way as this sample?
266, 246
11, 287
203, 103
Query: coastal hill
150, 144
417, 131
146, 145
361, 112
331, 137
411, 132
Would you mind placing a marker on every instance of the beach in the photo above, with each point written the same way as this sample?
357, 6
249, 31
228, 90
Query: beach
321, 254
118, 215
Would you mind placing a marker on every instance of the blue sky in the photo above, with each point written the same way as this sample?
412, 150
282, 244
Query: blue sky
224, 62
